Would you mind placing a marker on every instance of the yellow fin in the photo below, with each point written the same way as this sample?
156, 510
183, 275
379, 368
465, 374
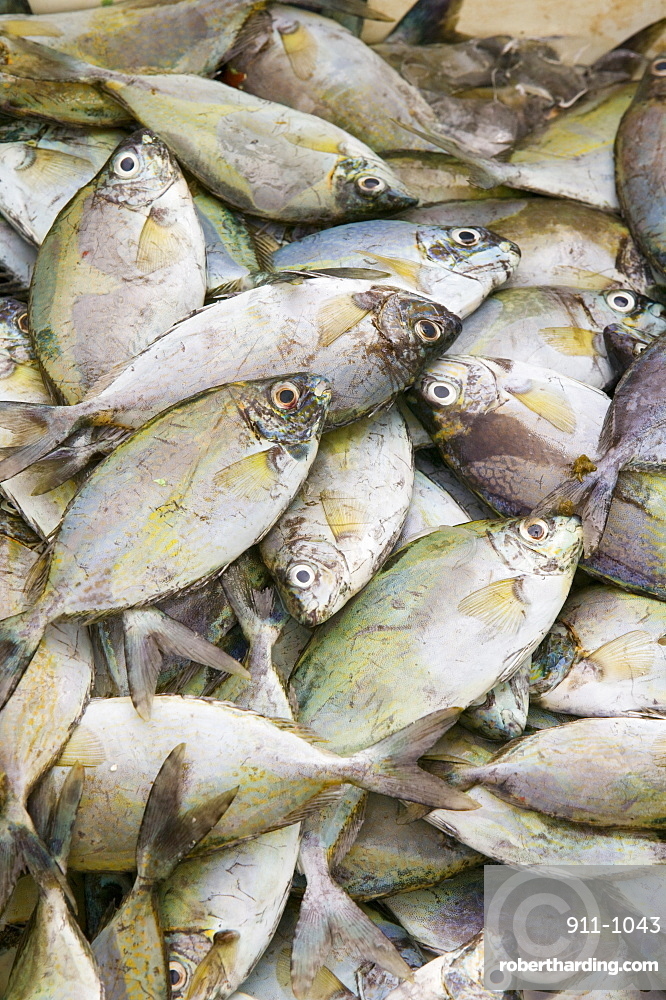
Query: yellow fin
249, 478
337, 317
29, 28
343, 514
265, 246
83, 748
573, 341
407, 269
498, 605
319, 142
159, 246
630, 655
550, 405
326, 985
53, 167
213, 970
300, 48
300, 730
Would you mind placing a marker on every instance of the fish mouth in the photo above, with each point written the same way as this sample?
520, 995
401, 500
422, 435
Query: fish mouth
399, 200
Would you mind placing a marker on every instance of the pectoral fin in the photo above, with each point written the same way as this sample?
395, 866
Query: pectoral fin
159, 246
499, 605
249, 478
630, 655
337, 317
300, 47
573, 341
552, 406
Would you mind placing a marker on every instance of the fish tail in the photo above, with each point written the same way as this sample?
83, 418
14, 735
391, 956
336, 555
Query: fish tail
20, 636
21, 847
54, 65
329, 917
589, 499
167, 834
483, 171
36, 430
149, 633
390, 766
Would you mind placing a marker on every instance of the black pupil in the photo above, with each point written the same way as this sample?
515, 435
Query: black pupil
660, 66
127, 164
535, 531
441, 391
174, 975
286, 396
466, 236
303, 576
621, 301
429, 330
371, 182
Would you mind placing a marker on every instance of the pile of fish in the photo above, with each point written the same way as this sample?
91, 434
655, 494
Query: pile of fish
332, 460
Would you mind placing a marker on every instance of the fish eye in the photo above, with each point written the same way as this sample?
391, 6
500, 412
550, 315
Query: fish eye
534, 529
371, 185
177, 974
658, 67
22, 322
442, 391
285, 395
301, 575
621, 301
466, 237
639, 348
428, 330
126, 164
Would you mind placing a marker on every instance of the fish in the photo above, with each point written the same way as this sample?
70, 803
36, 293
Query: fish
563, 329
603, 657
457, 266
278, 771
55, 959
430, 507
37, 721
130, 950
369, 341
569, 157
22, 380
509, 429
213, 474
313, 171
123, 262
502, 715
623, 346
230, 250
631, 437
335, 535
459, 972
639, 151
562, 242
611, 773
17, 260
430, 463
42, 166
435, 177
314, 64
391, 856
61, 103
445, 916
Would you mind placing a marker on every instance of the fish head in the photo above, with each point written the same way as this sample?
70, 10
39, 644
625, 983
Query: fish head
451, 393
653, 85
413, 327
548, 545
472, 251
312, 577
138, 172
368, 187
15, 346
289, 411
553, 658
624, 345
201, 963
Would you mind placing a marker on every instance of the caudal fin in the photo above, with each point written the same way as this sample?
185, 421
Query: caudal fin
20, 636
149, 633
590, 499
167, 834
36, 430
390, 766
20, 847
328, 918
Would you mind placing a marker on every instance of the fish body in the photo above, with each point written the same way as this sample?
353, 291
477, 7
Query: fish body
456, 266
17, 260
611, 774
562, 242
277, 771
123, 262
502, 715
430, 507
334, 536
508, 428
444, 916
64, 103
230, 253
314, 64
179, 500
368, 341
435, 177
560, 328
604, 656
42, 166
639, 157
405, 619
